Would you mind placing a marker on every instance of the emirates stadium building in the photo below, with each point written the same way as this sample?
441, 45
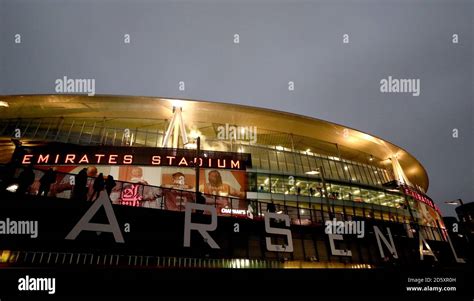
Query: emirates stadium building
148, 181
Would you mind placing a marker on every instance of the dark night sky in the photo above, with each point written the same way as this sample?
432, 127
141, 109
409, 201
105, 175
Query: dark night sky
280, 41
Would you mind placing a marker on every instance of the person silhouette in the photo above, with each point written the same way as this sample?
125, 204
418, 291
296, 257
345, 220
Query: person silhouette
109, 184
98, 187
26, 178
271, 207
79, 191
46, 180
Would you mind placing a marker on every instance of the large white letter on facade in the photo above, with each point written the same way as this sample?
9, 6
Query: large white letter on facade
84, 223
201, 228
390, 246
280, 231
335, 251
458, 260
425, 252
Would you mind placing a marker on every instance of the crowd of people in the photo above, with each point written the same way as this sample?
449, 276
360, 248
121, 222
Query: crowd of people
80, 188
88, 184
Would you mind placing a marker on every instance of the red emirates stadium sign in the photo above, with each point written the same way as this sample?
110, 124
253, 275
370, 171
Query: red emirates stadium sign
420, 197
69, 154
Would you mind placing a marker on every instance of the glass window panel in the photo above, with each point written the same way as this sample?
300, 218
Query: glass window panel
382, 175
400, 202
282, 166
349, 171
352, 173
357, 195
340, 192
325, 215
293, 213
413, 206
340, 170
363, 172
377, 214
258, 160
265, 164
376, 175
273, 160
436, 234
154, 139
252, 181
386, 178
303, 184
359, 212
314, 187
318, 216
312, 162
372, 196
263, 183
278, 184
332, 191
306, 164
140, 137
370, 175
339, 210
348, 209
369, 212
334, 170
394, 216
339, 216
292, 163
381, 199
347, 174
346, 193
393, 200
290, 185
429, 230
327, 169
365, 195
356, 173
301, 163
255, 155
318, 162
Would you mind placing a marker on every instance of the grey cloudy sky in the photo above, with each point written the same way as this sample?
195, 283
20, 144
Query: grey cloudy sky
280, 41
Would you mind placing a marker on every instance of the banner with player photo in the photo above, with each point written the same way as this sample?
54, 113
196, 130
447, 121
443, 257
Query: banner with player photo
224, 189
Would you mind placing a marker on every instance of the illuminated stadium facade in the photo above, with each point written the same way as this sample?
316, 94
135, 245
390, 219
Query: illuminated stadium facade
270, 182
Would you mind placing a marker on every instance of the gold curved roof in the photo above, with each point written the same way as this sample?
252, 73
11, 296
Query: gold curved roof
353, 141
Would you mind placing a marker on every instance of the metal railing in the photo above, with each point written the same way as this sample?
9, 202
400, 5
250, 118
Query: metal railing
313, 213
47, 258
